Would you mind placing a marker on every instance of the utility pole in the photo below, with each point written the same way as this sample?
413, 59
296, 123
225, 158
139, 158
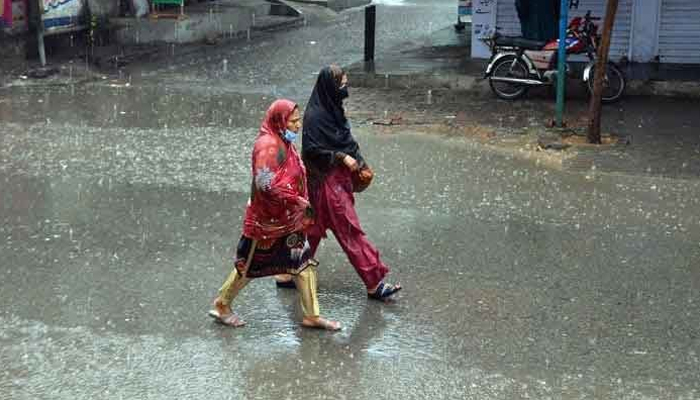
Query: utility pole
561, 67
40, 42
370, 22
35, 12
600, 68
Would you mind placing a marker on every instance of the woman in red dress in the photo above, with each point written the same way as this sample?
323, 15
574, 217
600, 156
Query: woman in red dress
276, 219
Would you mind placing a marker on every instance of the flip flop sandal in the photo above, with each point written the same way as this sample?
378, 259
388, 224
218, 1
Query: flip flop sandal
384, 291
231, 320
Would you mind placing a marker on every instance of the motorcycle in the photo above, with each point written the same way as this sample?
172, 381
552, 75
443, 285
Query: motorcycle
517, 63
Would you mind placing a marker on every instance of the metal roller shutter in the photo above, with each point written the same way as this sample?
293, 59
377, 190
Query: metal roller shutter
509, 24
679, 34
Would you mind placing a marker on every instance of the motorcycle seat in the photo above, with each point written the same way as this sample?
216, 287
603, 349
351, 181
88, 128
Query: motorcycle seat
521, 42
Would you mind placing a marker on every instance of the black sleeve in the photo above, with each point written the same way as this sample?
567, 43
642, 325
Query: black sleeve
522, 8
322, 158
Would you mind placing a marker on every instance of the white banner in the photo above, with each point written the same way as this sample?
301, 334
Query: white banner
63, 15
483, 23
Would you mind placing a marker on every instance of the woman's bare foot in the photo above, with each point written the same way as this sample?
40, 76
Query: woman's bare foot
283, 278
321, 323
224, 315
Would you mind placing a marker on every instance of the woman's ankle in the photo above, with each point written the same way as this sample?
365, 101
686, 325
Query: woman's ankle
374, 289
221, 307
283, 278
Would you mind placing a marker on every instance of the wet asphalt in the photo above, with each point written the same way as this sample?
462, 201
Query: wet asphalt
121, 206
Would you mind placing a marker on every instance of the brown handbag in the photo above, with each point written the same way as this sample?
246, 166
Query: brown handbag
362, 178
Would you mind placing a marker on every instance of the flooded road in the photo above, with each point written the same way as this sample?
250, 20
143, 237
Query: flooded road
121, 206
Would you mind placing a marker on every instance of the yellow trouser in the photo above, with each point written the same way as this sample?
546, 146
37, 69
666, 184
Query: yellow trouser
306, 282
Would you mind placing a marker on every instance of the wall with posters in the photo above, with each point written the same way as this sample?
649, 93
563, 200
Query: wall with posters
483, 24
464, 8
5, 13
13, 18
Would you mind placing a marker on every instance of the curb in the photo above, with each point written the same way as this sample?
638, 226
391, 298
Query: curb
427, 80
281, 7
296, 21
416, 81
337, 5
323, 3
683, 89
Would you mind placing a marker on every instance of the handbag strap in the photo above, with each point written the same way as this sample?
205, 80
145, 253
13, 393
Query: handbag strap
253, 245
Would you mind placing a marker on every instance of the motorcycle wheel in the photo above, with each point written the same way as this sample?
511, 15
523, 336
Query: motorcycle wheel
505, 68
614, 83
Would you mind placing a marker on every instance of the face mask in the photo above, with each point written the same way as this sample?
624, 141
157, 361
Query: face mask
290, 136
344, 93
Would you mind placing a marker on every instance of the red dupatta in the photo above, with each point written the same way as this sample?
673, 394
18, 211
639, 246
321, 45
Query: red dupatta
279, 196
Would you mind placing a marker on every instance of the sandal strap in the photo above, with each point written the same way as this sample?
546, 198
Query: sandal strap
229, 318
385, 291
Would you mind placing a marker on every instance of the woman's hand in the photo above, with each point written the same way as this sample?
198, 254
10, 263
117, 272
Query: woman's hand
304, 203
351, 163
309, 218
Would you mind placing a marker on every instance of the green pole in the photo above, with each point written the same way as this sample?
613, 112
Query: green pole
561, 67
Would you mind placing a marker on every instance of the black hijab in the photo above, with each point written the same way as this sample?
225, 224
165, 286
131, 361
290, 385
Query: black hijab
326, 131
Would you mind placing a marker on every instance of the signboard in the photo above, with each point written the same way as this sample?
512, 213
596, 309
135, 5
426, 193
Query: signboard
13, 16
20, 22
483, 24
63, 15
464, 8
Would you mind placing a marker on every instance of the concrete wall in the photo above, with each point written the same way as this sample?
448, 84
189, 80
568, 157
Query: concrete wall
202, 21
338, 5
104, 8
193, 28
14, 52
